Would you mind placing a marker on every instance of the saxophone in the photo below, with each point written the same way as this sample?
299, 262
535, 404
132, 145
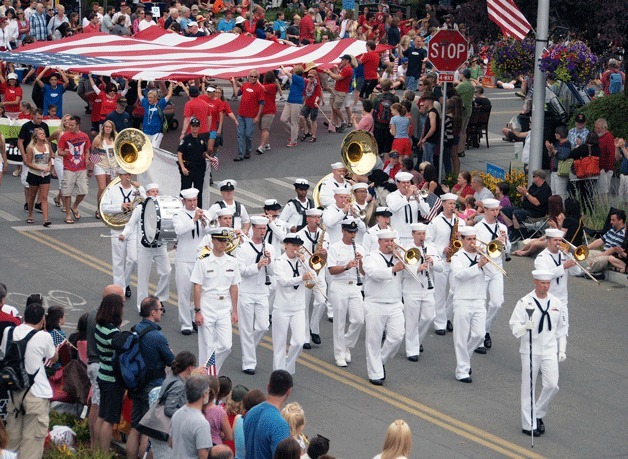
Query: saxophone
454, 242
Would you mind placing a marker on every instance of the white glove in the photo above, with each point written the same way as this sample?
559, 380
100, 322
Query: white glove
562, 348
519, 331
562, 356
529, 325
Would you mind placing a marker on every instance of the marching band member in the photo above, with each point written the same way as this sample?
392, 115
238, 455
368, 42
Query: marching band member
360, 193
335, 215
440, 234
553, 259
215, 277
293, 212
490, 229
115, 200
406, 205
326, 192
147, 253
313, 237
548, 325
240, 215
418, 298
277, 229
382, 219
289, 306
190, 225
467, 276
383, 306
255, 259
224, 219
344, 262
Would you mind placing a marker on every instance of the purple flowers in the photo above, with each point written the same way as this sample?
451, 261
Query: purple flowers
570, 61
510, 58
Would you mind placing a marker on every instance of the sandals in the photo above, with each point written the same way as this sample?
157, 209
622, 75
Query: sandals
305, 136
69, 221
30, 221
97, 215
76, 214
312, 139
47, 223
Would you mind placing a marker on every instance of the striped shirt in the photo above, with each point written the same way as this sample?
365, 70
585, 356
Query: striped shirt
38, 28
104, 334
614, 238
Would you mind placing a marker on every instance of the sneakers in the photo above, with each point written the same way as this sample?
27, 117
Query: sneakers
348, 356
267, 147
260, 151
341, 363
282, 99
38, 207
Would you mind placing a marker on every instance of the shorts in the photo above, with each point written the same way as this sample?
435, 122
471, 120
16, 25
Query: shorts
92, 374
140, 406
98, 170
74, 181
212, 135
349, 100
309, 112
36, 180
604, 182
403, 146
337, 99
266, 121
114, 394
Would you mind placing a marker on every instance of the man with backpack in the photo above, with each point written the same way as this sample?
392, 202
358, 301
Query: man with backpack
613, 80
157, 355
26, 348
382, 115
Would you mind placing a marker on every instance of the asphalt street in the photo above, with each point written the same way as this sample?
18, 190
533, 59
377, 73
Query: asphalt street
70, 264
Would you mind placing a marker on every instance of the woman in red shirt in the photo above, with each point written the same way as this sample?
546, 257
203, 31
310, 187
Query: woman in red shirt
12, 95
463, 188
271, 86
110, 98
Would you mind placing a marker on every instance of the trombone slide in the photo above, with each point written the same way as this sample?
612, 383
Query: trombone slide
584, 270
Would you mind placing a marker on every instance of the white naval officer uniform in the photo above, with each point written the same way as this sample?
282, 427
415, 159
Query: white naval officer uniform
215, 275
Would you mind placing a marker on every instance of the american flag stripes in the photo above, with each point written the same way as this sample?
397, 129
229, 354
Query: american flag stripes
94, 158
210, 365
510, 20
435, 206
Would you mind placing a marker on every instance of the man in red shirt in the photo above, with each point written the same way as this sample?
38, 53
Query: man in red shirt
607, 156
94, 24
307, 28
370, 61
215, 113
199, 109
343, 76
249, 112
73, 146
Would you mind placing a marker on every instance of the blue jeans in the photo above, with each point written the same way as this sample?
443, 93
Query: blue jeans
428, 152
411, 83
245, 135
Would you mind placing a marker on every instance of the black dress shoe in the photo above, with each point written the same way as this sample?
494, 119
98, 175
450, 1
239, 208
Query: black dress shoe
127, 292
540, 426
480, 350
535, 432
450, 326
331, 319
316, 339
195, 327
421, 349
384, 367
488, 342
247, 156
249, 371
440, 332
376, 382
413, 358
466, 380
307, 346
186, 332
470, 371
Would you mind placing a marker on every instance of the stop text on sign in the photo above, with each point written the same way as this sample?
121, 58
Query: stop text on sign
447, 50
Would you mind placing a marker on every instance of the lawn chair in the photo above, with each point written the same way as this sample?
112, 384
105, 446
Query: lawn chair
481, 128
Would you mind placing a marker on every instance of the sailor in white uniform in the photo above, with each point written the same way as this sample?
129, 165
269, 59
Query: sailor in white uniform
326, 193
382, 219
293, 212
406, 206
240, 215
335, 215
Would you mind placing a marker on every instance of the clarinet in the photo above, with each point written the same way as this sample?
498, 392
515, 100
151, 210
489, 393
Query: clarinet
430, 286
267, 282
357, 268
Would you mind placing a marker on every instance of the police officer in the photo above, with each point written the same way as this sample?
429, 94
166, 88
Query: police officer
191, 158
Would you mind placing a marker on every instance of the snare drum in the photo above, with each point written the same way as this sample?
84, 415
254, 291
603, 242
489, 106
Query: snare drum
157, 226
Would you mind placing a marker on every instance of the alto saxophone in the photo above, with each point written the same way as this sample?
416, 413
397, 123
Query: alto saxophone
454, 242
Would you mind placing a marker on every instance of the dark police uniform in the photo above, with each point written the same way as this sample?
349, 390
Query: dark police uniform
192, 150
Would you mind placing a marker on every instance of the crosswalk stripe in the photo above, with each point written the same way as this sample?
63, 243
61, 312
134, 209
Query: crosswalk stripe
7, 216
280, 183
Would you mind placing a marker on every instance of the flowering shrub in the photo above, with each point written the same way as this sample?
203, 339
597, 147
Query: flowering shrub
514, 179
510, 58
570, 61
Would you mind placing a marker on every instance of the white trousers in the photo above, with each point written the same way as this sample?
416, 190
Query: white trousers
123, 258
346, 299
184, 293
419, 315
253, 325
549, 369
282, 322
313, 321
215, 335
145, 258
442, 298
469, 331
380, 317
495, 292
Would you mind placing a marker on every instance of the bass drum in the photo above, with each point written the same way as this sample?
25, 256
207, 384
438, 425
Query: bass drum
157, 226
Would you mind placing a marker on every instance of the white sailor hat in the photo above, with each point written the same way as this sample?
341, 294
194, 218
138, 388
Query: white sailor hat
490, 203
226, 212
259, 220
227, 185
293, 239
449, 197
313, 213
418, 226
121, 171
403, 177
271, 204
387, 234
468, 231
342, 191
338, 165
220, 233
360, 186
152, 186
383, 211
542, 274
189, 193
301, 183
553, 232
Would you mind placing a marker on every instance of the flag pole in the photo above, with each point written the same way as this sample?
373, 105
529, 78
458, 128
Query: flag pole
538, 97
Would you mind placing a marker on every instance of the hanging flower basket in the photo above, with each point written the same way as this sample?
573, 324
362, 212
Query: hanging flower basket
510, 58
570, 61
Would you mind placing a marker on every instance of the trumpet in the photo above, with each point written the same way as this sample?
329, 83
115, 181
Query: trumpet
423, 193
492, 250
213, 223
580, 253
355, 210
411, 257
314, 282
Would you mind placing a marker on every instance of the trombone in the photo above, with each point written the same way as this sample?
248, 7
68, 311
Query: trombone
317, 260
577, 255
493, 249
411, 257
311, 270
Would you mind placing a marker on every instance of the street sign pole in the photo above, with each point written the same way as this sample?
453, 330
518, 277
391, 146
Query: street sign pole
443, 111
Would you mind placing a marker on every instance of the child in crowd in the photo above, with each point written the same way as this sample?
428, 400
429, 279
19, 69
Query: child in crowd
295, 417
52, 113
469, 210
55, 318
216, 415
233, 409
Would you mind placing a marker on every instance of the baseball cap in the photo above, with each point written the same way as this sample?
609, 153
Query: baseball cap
194, 121
580, 118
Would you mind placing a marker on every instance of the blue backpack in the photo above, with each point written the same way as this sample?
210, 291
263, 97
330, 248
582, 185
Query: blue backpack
615, 86
128, 363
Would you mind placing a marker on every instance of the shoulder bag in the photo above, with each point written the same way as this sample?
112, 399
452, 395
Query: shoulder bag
586, 167
155, 424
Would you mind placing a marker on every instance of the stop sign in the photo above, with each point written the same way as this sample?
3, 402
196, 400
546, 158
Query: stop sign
447, 50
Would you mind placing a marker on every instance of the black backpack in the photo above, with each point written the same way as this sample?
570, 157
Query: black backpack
13, 375
382, 113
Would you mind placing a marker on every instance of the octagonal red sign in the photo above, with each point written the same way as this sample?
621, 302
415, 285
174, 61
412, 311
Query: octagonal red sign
447, 50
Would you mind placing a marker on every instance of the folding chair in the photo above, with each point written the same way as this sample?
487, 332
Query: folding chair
533, 226
472, 129
484, 113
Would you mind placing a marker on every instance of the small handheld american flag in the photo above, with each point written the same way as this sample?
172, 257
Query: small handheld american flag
210, 365
214, 162
94, 158
435, 206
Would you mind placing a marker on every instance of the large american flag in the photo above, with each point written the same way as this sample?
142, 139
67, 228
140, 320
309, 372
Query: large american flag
156, 54
507, 16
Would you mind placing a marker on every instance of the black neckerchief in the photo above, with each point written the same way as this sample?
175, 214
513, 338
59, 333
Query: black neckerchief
258, 252
196, 226
451, 227
544, 313
473, 261
557, 263
494, 234
389, 263
295, 271
314, 241
126, 197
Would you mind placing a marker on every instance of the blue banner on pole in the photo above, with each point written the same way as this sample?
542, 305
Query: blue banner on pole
496, 171
348, 5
